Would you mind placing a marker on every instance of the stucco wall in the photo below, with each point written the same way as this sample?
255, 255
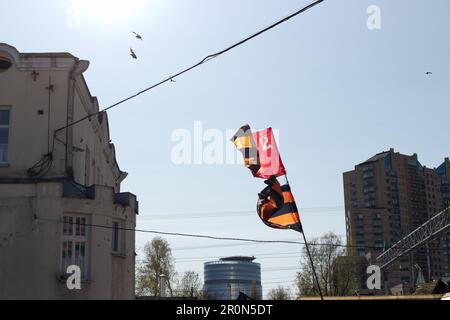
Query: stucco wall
31, 244
28, 130
36, 112
32, 207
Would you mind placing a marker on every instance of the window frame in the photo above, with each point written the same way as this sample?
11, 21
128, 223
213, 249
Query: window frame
7, 60
75, 239
8, 126
117, 236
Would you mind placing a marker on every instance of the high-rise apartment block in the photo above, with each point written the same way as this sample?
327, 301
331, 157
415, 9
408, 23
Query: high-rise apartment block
387, 197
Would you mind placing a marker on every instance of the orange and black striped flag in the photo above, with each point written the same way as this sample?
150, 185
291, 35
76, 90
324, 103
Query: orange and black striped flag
276, 206
244, 142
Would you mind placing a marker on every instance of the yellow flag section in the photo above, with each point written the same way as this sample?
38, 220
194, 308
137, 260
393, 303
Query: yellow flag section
243, 140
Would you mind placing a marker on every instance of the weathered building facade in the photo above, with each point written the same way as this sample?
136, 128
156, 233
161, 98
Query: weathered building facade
60, 197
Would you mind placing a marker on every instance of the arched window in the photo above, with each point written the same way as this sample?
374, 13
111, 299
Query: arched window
5, 64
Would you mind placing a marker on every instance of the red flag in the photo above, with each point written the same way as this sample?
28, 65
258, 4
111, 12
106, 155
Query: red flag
269, 157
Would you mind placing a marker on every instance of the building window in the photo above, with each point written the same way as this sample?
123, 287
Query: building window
5, 64
4, 135
75, 243
117, 238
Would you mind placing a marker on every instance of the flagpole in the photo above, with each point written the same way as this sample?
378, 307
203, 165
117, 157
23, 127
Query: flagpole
312, 264
309, 253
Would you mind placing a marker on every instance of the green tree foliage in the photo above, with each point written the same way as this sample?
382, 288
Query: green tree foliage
344, 281
157, 260
336, 271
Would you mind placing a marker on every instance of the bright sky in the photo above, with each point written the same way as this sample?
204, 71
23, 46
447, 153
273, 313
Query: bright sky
336, 91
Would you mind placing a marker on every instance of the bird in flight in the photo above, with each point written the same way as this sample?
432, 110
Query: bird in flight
132, 54
171, 80
137, 35
428, 72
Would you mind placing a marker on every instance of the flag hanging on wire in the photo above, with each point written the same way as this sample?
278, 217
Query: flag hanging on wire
260, 152
276, 206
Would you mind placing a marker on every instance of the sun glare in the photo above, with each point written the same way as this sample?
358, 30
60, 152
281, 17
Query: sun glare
110, 11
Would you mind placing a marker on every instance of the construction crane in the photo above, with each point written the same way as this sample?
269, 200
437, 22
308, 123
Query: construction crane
427, 231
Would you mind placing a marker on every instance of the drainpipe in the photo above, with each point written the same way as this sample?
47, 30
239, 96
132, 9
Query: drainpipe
78, 68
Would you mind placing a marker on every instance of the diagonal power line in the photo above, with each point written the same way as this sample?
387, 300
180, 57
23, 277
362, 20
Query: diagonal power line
211, 237
204, 60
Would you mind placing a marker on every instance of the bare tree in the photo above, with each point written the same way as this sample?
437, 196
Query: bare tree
334, 269
279, 293
157, 261
189, 285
